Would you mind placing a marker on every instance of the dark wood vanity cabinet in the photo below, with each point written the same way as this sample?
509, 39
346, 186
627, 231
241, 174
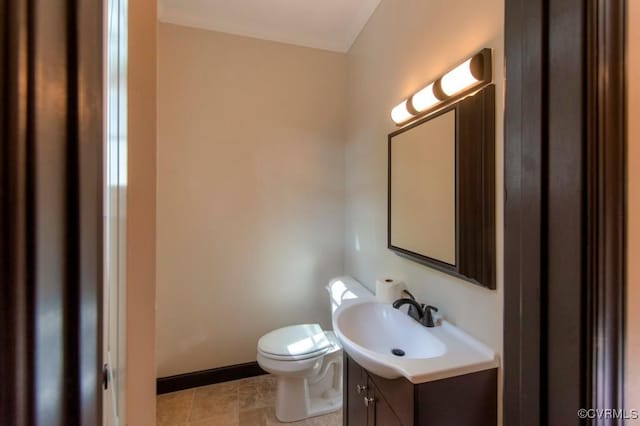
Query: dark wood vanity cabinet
364, 403
370, 400
355, 380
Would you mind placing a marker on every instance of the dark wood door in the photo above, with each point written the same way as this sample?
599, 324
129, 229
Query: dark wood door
50, 213
564, 211
379, 412
355, 390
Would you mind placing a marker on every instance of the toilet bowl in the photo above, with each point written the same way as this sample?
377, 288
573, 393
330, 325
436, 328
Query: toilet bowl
307, 364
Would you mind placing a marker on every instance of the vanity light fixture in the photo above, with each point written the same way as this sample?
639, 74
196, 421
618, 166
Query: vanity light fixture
464, 79
401, 113
424, 99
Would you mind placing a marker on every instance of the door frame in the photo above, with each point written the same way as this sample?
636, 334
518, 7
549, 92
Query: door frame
51, 212
565, 203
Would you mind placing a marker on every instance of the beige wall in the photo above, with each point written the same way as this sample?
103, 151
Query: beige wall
250, 192
633, 255
141, 214
404, 46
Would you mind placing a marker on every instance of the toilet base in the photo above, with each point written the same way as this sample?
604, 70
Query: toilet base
294, 404
298, 398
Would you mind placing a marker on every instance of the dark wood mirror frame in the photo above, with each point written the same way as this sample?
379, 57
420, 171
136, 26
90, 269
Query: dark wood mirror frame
475, 190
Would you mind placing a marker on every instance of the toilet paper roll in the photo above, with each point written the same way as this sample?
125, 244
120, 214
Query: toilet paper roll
389, 290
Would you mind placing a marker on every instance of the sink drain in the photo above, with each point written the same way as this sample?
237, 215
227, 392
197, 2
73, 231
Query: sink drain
397, 352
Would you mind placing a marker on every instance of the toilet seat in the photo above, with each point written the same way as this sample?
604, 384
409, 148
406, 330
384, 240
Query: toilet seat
291, 357
294, 343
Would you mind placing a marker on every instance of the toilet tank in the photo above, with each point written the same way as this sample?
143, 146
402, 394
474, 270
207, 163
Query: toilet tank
345, 288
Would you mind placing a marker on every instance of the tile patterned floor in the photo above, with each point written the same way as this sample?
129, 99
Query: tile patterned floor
246, 402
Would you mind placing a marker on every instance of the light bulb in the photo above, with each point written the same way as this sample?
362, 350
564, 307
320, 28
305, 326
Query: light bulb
424, 99
400, 113
458, 79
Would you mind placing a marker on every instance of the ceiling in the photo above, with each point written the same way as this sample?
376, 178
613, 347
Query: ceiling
324, 24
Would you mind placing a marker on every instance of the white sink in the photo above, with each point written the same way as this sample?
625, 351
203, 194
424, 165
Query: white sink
379, 328
369, 332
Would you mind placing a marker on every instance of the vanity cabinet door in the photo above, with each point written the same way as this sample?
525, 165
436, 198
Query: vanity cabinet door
467, 400
355, 390
379, 412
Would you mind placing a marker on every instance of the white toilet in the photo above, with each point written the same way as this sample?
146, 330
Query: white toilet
307, 363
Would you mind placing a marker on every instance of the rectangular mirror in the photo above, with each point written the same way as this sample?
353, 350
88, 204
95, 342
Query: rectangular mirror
423, 199
442, 189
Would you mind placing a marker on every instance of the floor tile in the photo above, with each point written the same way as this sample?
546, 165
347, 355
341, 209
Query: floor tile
267, 417
257, 417
173, 408
257, 392
332, 419
246, 402
227, 419
216, 400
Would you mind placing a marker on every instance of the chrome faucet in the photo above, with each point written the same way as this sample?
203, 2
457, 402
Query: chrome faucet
418, 311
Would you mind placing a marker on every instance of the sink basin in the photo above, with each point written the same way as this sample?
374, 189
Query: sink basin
381, 329
390, 344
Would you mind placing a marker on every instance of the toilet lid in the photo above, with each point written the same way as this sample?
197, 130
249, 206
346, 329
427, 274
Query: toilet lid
294, 341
